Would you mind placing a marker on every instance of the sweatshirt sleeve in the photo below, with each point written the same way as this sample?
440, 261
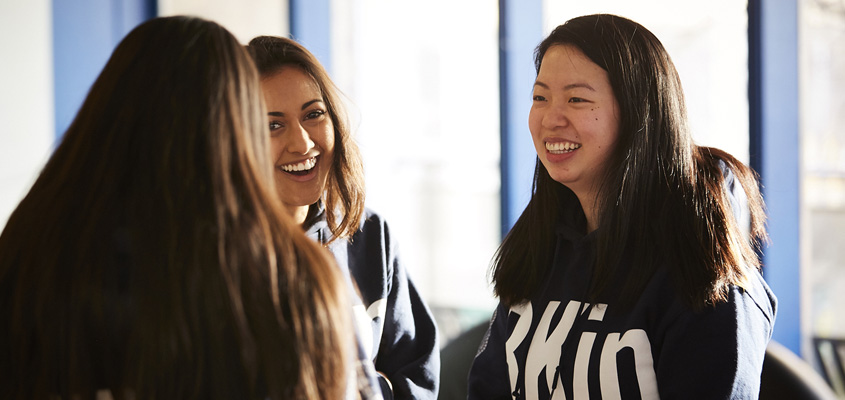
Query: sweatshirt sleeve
409, 353
488, 377
718, 353
364, 383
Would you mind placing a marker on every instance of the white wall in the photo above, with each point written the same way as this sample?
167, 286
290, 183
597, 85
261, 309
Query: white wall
244, 18
26, 97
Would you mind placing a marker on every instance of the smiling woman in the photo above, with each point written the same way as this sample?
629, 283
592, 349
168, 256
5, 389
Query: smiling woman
629, 273
320, 179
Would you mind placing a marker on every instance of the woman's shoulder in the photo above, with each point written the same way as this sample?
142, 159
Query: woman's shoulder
373, 232
751, 299
372, 223
759, 295
369, 213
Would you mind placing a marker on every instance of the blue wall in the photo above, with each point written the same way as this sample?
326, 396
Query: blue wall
310, 25
84, 34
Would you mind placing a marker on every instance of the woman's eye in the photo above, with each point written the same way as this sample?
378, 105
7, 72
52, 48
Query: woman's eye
274, 125
315, 114
576, 100
539, 98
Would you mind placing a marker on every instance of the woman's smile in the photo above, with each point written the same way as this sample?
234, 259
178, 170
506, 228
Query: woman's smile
300, 168
562, 147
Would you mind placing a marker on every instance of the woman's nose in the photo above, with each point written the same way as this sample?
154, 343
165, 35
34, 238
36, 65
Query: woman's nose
555, 116
300, 140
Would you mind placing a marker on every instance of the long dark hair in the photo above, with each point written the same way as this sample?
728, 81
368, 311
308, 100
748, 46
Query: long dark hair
344, 195
662, 201
152, 256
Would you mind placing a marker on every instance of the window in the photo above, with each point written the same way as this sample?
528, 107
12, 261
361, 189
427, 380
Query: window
423, 92
708, 42
822, 82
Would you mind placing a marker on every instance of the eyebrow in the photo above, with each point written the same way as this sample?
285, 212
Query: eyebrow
304, 106
567, 87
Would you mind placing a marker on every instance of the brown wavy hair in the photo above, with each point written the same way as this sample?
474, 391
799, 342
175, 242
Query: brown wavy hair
344, 194
663, 200
152, 256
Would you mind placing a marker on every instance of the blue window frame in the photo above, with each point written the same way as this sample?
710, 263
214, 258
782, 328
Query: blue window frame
774, 130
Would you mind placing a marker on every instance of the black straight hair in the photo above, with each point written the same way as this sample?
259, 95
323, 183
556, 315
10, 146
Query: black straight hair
662, 201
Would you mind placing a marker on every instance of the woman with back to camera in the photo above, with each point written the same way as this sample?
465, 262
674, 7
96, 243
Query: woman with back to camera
152, 258
320, 179
628, 275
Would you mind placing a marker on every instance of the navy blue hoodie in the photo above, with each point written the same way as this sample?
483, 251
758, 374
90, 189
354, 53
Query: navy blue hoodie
404, 345
556, 346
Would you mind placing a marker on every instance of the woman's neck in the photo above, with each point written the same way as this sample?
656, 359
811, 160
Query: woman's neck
588, 204
299, 213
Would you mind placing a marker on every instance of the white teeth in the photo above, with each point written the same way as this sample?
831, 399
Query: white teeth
562, 147
302, 166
